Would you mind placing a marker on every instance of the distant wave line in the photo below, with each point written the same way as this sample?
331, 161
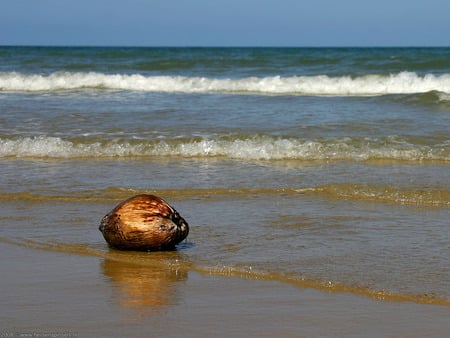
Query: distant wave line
320, 85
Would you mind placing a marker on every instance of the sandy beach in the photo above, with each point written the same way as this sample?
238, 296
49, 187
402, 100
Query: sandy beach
74, 295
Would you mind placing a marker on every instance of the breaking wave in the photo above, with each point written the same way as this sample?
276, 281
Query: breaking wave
244, 148
368, 85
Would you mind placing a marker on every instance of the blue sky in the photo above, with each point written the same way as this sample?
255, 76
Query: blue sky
225, 22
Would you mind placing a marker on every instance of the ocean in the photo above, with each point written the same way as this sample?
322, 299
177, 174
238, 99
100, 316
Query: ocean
324, 168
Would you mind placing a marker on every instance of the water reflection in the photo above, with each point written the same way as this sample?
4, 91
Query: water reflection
145, 281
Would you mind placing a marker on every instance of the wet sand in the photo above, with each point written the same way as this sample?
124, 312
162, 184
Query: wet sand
65, 294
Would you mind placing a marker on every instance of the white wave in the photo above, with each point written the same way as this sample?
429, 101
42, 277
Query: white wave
444, 97
252, 148
368, 85
55, 147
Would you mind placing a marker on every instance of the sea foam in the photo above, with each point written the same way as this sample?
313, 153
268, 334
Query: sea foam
367, 85
249, 148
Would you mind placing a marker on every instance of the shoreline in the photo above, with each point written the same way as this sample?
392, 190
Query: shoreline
140, 261
48, 291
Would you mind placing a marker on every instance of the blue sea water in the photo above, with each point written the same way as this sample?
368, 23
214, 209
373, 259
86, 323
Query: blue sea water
330, 165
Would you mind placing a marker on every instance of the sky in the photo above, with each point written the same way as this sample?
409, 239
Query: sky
225, 22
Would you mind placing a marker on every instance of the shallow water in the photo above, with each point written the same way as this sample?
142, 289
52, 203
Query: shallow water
365, 238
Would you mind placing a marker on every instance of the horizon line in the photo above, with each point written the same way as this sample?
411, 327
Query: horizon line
220, 46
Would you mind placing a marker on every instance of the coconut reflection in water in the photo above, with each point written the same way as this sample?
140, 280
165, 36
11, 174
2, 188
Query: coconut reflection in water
145, 281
